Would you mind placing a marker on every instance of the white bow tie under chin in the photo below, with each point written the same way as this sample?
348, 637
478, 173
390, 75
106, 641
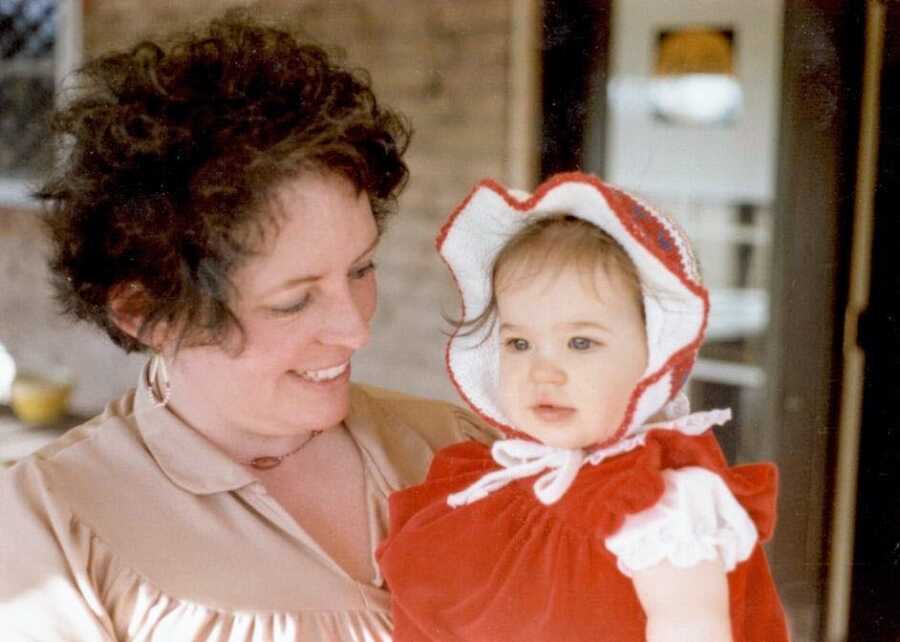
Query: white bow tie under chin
520, 459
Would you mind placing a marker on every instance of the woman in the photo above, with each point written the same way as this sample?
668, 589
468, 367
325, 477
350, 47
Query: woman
220, 208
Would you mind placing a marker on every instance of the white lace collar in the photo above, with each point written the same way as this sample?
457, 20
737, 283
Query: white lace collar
520, 458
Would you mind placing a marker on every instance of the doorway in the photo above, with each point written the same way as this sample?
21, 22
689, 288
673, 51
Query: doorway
773, 245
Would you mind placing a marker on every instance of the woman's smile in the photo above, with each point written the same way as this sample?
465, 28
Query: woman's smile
335, 374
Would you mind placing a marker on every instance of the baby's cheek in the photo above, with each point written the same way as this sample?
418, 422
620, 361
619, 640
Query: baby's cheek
509, 396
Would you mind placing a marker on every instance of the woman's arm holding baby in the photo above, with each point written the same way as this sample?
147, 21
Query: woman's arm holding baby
685, 603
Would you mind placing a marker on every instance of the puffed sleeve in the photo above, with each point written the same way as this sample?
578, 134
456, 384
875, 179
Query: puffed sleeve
46, 589
696, 519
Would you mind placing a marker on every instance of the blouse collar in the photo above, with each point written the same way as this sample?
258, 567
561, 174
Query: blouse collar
188, 459
195, 464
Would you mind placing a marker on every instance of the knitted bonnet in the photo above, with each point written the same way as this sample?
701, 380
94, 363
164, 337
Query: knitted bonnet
676, 304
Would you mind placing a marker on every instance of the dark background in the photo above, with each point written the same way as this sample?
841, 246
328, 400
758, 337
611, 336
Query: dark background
818, 136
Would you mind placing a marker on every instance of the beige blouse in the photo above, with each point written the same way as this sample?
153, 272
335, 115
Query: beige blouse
134, 527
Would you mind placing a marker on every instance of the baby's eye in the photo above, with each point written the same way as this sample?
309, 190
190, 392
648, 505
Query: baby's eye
517, 345
581, 343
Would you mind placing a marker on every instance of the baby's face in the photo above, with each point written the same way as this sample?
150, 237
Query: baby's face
572, 350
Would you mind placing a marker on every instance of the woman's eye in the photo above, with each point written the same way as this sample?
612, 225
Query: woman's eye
581, 343
293, 309
518, 345
360, 272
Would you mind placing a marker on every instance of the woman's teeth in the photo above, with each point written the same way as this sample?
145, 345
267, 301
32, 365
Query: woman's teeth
326, 374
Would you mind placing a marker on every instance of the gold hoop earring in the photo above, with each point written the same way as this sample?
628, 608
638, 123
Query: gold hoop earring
158, 377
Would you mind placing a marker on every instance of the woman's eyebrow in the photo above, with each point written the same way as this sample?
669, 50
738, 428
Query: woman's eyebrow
300, 280
371, 247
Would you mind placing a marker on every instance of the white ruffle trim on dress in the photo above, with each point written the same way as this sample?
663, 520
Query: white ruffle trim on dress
521, 458
696, 519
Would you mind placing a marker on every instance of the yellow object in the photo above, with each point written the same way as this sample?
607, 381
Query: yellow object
695, 51
40, 400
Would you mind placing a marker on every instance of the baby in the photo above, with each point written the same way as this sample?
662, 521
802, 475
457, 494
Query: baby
608, 512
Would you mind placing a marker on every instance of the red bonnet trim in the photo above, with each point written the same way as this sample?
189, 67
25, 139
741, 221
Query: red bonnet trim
644, 227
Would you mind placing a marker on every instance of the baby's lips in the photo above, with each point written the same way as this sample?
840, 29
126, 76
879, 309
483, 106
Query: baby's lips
552, 413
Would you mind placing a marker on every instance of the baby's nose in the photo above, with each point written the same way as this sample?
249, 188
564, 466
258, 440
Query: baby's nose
544, 370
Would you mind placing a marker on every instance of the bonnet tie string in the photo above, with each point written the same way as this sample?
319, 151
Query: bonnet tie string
520, 459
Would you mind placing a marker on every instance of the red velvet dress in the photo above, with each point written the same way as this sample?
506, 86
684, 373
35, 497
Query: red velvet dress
507, 567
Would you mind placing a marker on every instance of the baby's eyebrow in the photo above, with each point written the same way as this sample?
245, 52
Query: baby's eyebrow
510, 327
584, 325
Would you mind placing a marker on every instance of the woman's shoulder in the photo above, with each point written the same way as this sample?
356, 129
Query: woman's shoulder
78, 464
93, 436
439, 423
401, 433
42, 495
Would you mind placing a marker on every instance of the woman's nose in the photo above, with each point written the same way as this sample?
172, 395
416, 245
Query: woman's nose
545, 370
347, 324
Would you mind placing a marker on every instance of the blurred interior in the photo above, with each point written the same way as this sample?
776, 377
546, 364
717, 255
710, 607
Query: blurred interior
765, 128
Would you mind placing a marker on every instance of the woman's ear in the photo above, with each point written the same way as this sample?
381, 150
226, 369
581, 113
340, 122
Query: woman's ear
127, 310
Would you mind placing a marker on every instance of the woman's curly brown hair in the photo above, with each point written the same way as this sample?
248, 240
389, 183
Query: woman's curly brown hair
172, 154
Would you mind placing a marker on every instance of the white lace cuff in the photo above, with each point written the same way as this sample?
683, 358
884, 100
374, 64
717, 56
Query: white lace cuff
696, 519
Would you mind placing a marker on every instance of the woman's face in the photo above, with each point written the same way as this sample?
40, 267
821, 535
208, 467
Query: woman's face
305, 303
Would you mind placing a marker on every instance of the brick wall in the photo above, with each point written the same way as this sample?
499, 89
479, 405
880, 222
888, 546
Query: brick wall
33, 331
444, 64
